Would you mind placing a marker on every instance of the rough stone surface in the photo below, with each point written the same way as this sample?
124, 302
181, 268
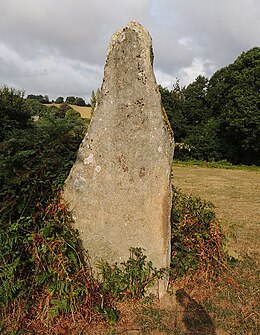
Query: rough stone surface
119, 188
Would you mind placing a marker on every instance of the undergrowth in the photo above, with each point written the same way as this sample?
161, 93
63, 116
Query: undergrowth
42, 269
129, 279
47, 277
197, 238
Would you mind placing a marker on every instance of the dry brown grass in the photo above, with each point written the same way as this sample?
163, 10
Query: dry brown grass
236, 195
84, 111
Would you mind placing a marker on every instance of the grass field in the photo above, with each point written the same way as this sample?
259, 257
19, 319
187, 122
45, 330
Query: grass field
236, 195
85, 112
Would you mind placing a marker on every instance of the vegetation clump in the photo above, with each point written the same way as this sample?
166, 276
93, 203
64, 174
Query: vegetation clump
197, 238
42, 269
129, 279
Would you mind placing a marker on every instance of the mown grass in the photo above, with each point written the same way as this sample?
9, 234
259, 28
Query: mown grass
235, 194
234, 301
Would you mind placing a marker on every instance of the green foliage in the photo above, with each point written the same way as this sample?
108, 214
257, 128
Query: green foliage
35, 108
36, 162
173, 104
233, 93
40, 253
75, 101
111, 314
219, 165
130, 278
42, 99
219, 118
197, 238
70, 100
13, 114
59, 100
79, 101
195, 103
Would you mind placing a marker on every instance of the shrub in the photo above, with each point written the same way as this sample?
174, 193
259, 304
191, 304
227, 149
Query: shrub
197, 238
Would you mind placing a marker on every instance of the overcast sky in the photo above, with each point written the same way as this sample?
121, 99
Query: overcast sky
58, 47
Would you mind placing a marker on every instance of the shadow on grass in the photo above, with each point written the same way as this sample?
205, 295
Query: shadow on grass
195, 318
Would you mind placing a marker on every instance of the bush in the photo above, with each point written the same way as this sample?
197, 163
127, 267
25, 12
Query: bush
13, 112
79, 101
197, 238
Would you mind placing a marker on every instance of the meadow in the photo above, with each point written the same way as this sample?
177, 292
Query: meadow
85, 112
236, 196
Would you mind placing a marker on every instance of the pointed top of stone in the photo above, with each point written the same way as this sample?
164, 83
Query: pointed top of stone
120, 35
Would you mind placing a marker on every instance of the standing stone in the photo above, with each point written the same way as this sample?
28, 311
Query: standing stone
119, 188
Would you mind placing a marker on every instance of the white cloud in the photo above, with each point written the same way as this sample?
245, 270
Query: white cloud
197, 67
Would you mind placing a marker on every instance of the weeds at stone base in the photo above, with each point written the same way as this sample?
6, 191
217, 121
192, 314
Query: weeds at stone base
129, 279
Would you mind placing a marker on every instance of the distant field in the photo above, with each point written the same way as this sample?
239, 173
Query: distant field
85, 112
236, 195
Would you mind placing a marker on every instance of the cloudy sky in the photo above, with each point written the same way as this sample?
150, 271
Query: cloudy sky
58, 47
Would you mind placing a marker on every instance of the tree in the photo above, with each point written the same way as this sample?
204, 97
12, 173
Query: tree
233, 94
79, 102
219, 118
45, 100
172, 102
200, 130
70, 100
59, 100
195, 103
34, 107
13, 112
40, 98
